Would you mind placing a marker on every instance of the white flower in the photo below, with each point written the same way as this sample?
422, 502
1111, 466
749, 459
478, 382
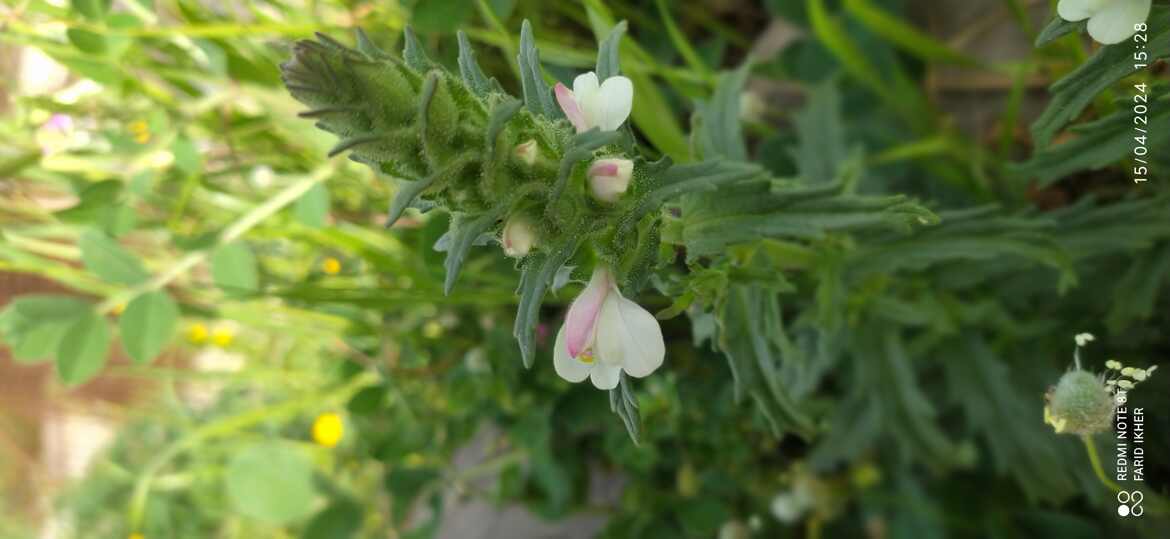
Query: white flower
519, 236
591, 104
605, 334
609, 178
526, 152
1084, 338
1110, 21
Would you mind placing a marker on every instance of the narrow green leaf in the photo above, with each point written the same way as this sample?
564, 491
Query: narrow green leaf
608, 54
1058, 28
103, 257
464, 232
820, 130
1111, 63
720, 133
147, 325
234, 269
905, 36
539, 271
537, 96
1096, 145
469, 69
747, 319
83, 349
413, 53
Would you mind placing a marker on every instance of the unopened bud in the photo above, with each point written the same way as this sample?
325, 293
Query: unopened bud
609, 178
526, 152
519, 236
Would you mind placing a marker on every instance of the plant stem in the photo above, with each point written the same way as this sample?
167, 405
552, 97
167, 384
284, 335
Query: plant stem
1095, 462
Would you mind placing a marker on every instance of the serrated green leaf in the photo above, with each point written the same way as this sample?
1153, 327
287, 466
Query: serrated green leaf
234, 269
538, 273
464, 232
720, 134
1096, 144
470, 71
748, 318
413, 53
147, 325
537, 96
83, 349
107, 259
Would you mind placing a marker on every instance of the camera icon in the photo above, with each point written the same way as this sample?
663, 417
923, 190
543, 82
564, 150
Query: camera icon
1130, 503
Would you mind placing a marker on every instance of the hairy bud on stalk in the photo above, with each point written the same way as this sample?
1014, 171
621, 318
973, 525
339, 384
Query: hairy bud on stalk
519, 236
609, 178
526, 152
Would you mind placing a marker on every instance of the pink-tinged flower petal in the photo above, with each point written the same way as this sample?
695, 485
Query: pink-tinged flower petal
609, 178
569, 105
582, 317
568, 368
603, 168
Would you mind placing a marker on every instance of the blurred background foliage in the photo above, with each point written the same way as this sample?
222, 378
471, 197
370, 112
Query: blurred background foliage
160, 198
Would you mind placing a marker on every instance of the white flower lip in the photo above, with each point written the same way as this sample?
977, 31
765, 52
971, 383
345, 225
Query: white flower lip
604, 105
605, 334
1110, 21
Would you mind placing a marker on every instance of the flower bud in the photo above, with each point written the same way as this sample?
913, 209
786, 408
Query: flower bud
519, 236
526, 152
609, 178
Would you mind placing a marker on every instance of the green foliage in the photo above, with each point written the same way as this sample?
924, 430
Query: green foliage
147, 325
875, 297
107, 259
272, 482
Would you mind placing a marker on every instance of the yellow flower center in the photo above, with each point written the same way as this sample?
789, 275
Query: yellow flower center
586, 357
328, 429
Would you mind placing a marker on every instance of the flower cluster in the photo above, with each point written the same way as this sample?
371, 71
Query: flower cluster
548, 183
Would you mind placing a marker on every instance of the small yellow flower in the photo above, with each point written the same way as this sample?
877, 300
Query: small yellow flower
222, 337
432, 330
197, 333
331, 266
118, 309
414, 460
137, 535
140, 131
328, 429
